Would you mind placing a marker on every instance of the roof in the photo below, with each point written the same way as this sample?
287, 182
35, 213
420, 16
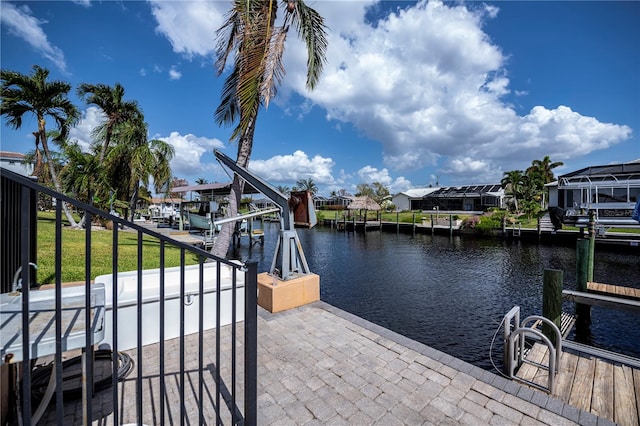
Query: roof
215, 188
469, 191
363, 203
166, 200
417, 192
617, 172
8, 154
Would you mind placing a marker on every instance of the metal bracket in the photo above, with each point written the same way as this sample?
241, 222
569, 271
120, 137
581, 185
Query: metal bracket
289, 258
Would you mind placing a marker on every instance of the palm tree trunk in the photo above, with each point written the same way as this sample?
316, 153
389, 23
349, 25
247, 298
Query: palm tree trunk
52, 171
134, 201
221, 245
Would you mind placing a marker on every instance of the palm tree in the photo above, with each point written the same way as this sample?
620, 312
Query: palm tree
307, 185
512, 182
144, 159
544, 169
541, 172
117, 110
82, 173
201, 181
284, 189
250, 36
34, 94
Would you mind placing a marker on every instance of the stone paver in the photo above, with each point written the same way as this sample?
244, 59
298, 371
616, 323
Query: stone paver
390, 380
320, 365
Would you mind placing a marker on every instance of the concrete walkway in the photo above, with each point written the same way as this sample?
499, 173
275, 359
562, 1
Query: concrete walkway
320, 365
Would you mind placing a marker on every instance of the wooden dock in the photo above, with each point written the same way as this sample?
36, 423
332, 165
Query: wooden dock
602, 387
614, 290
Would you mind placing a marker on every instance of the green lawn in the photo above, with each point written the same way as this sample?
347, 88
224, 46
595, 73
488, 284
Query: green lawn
73, 250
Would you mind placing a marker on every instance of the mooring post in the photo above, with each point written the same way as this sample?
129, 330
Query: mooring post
397, 221
592, 244
450, 224
432, 224
552, 300
582, 277
414, 223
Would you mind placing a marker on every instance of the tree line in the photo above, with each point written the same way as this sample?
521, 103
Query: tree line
527, 188
116, 170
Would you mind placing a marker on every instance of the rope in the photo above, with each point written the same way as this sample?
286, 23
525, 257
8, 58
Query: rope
40, 378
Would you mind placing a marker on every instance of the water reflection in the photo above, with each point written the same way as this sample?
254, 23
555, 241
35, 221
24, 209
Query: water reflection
451, 292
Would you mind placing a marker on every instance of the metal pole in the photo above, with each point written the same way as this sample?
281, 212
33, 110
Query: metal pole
592, 244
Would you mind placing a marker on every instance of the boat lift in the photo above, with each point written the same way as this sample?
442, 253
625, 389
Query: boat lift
289, 260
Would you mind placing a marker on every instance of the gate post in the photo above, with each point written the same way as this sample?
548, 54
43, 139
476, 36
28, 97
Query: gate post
251, 344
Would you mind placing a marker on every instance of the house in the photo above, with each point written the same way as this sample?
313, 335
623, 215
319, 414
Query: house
470, 198
341, 200
411, 198
16, 162
611, 191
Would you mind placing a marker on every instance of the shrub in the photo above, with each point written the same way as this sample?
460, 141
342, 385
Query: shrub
471, 222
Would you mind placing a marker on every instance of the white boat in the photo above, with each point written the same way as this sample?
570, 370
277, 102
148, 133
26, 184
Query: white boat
197, 221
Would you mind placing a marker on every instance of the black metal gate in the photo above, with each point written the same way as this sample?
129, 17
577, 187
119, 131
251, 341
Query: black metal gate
203, 374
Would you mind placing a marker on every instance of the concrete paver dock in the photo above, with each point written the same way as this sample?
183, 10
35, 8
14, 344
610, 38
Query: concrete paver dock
320, 365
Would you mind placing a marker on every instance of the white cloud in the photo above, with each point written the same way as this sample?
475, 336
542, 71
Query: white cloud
425, 81
428, 84
85, 3
189, 26
92, 117
189, 150
20, 23
287, 169
174, 74
369, 175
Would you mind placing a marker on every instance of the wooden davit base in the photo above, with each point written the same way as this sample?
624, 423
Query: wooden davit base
287, 294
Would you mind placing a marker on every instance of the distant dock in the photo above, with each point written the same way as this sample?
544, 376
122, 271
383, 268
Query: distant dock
446, 226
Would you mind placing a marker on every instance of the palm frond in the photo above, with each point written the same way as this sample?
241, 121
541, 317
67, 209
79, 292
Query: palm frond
273, 69
311, 27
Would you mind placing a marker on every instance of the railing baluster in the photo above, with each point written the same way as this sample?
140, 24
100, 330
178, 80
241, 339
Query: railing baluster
250, 343
181, 303
139, 348
58, 291
87, 353
26, 353
234, 289
161, 325
218, 298
200, 339
114, 321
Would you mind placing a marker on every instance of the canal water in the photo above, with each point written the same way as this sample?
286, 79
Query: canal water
451, 293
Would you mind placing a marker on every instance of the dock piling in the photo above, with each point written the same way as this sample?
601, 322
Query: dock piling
552, 300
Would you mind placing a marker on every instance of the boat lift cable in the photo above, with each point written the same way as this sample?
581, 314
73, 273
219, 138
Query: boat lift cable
289, 259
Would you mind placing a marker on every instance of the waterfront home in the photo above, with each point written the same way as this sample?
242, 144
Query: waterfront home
611, 191
411, 199
468, 198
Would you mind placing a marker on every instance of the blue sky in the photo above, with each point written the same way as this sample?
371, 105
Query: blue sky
412, 93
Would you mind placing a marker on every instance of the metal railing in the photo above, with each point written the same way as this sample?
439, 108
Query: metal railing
211, 378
